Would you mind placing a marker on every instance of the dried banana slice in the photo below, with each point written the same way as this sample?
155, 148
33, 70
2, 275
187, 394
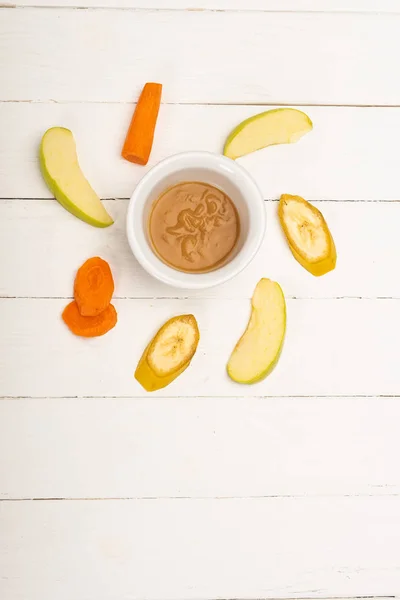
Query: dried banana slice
169, 353
308, 234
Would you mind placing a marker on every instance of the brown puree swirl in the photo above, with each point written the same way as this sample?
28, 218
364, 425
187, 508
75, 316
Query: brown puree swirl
194, 227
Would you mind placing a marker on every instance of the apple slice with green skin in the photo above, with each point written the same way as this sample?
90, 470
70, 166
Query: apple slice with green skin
259, 348
277, 126
64, 178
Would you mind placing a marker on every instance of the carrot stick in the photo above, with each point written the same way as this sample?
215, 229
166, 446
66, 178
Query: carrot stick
89, 326
94, 287
139, 139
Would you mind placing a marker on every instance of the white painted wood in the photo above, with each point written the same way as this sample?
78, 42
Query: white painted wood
45, 245
380, 6
332, 347
351, 154
199, 447
200, 56
192, 549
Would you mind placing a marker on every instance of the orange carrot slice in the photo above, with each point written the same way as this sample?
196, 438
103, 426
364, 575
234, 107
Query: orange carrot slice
94, 287
139, 139
89, 326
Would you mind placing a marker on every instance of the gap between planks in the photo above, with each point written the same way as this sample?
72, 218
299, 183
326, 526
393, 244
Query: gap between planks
162, 498
202, 10
188, 103
287, 296
274, 200
244, 398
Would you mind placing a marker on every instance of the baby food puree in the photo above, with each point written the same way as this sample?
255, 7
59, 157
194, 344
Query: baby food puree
194, 227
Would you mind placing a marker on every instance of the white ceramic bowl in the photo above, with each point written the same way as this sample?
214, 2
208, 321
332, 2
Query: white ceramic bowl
218, 171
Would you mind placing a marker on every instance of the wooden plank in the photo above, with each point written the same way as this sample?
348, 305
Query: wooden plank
200, 447
350, 155
44, 246
106, 55
259, 548
332, 348
380, 6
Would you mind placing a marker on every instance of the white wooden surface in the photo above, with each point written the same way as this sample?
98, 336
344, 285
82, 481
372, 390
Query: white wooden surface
331, 164
211, 455
206, 490
385, 6
226, 57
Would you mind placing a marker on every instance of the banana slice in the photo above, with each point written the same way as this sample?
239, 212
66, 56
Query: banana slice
174, 345
169, 353
308, 234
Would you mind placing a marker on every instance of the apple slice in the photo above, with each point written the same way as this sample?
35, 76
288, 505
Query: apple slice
277, 126
169, 353
258, 350
307, 234
64, 178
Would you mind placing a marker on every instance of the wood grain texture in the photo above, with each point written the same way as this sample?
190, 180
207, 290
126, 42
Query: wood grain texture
197, 5
106, 55
350, 154
196, 549
332, 347
45, 245
199, 447
286, 489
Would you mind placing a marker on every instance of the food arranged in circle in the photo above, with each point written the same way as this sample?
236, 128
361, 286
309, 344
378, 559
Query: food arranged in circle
194, 227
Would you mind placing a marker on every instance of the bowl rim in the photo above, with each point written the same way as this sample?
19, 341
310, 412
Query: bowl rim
214, 162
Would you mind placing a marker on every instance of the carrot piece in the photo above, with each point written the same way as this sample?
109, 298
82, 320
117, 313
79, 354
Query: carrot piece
139, 139
89, 326
94, 287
